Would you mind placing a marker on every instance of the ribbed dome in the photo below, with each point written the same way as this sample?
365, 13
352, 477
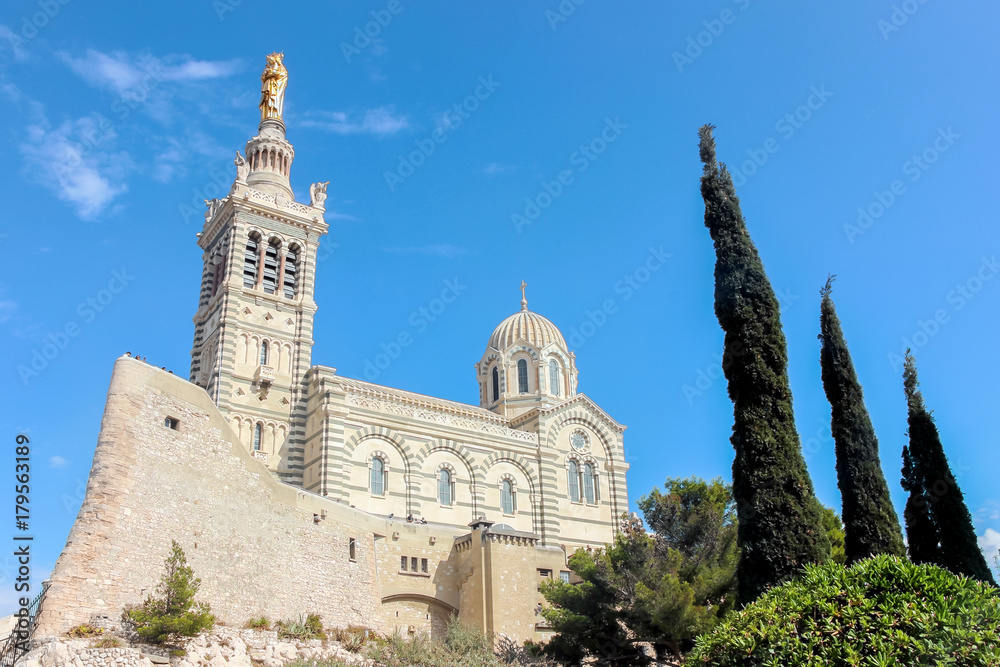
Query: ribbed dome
531, 327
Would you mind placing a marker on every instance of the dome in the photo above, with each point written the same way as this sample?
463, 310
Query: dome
526, 325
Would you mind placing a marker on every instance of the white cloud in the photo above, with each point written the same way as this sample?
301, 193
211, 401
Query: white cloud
381, 122
444, 250
989, 512
58, 462
495, 168
989, 542
75, 162
120, 72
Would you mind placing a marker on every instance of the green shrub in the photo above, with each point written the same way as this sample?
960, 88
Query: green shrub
258, 623
84, 630
107, 642
174, 613
880, 611
353, 637
310, 627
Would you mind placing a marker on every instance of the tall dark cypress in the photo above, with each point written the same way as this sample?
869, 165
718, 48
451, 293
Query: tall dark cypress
780, 520
921, 535
870, 523
959, 551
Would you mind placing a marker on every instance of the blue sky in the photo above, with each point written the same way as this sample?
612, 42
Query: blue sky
863, 140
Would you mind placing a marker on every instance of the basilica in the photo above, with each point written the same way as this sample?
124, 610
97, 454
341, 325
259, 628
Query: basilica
390, 509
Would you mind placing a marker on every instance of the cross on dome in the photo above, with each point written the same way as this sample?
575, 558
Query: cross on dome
524, 299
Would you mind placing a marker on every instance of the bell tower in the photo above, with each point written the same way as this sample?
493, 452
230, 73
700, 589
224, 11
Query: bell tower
253, 328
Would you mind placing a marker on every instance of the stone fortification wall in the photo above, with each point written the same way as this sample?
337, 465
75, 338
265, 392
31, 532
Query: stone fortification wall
255, 543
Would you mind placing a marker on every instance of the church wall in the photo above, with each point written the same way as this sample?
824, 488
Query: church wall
252, 540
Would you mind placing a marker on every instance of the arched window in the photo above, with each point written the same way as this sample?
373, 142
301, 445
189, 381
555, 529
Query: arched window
257, 431
507, 500
445, 487
250, 260
263, 353
270, 280
378, 477
291, 272
574, 481
588, 484
496, 384
554, 377
522, 376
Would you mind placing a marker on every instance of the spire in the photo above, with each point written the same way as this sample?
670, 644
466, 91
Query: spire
524, 299
269, 155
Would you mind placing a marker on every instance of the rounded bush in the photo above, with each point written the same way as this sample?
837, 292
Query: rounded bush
879, 611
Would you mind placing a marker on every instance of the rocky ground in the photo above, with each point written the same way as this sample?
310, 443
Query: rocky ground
223, 647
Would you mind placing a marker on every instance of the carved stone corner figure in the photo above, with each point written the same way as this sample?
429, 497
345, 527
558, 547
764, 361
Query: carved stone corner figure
242, 168
213, 206
272, 87
317, 191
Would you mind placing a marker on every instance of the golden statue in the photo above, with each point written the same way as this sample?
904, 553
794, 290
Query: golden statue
272, 87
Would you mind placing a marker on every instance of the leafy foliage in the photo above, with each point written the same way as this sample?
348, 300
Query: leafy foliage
661, 589
310, 627
935, 491
870, 523
84, 630
174, 613
258, 623
779, 517
880, 611
835, 531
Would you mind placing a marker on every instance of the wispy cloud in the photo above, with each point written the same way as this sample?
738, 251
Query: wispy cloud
120, 72
381, 122
58, 462
989, 512
989, 542
444, 250
495, 168
76, 162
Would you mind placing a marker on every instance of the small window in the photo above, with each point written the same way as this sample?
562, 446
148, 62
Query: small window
445, 486
554, 377
496, 384
378, 477
588, 483
522, 376
574, 481
507, 502
257, 431
263, 353
352, 549
413, 564
423, 565
564, 576
545, 574
403, 561
291, 274
171, 423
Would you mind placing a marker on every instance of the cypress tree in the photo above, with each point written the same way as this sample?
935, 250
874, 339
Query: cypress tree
780, 521
959, 551
870, 522
921, 535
